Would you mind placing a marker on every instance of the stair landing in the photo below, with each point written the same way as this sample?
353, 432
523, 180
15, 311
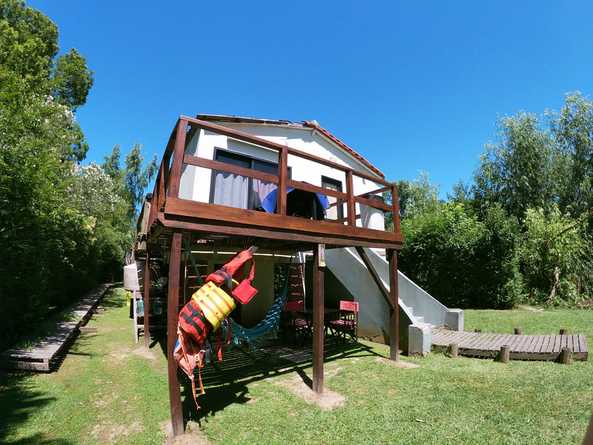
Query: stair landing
522, 347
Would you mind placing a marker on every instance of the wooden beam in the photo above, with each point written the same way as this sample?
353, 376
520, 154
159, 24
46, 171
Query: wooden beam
375, 275
318, 319
230, 168
394, 297
147, 299
282, 180
299, 238
214, 212
377, 191
351, 205
373, 203
178, 153
172, 311
316, 189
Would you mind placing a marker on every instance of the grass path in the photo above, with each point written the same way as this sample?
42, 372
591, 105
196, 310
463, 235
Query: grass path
110, 391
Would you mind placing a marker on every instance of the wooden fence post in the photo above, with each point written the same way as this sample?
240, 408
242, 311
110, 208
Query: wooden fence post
453, 350
505, 354
566, 356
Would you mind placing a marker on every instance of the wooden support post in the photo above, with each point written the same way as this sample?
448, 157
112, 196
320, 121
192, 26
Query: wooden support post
318, 316
566, 356
505, 354
147, 300
179, 151
172, 310
394, 313
351, 205
518, 331
453, 350
282, 180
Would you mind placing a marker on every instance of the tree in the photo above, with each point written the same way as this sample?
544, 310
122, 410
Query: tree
555, 257
72, 80
518, 173
134, 178
62, 227
573, 131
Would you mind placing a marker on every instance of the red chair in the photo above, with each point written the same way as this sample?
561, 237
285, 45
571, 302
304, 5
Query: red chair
294, 323
347, 322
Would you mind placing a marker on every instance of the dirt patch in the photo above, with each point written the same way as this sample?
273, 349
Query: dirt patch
110, 433
525, 307
144, 353
327, 400
398, 364
192, 436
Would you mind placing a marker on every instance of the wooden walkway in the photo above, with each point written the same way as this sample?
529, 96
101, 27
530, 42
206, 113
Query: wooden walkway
43, 355
522, 347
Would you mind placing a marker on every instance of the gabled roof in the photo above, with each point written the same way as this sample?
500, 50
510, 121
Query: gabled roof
313, 125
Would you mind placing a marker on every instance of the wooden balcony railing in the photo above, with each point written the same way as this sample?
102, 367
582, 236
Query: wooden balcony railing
169, 175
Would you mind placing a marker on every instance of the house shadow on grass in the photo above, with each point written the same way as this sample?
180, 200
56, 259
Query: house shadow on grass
227, 383
17, 403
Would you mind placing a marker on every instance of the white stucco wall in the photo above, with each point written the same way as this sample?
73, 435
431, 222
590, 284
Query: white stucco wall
196, 181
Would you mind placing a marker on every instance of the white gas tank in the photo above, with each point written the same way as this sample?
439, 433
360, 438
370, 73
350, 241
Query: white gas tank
131, 277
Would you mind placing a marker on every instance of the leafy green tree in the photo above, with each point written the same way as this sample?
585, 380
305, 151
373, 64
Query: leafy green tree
134, 178
518, 173
72, 80
573, 130
62, 226
555, 256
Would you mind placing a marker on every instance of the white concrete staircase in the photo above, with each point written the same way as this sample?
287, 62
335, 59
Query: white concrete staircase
419, 311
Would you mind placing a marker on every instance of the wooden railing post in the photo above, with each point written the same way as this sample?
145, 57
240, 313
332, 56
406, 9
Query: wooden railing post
282, 180
178, 152
351, 205
395, 208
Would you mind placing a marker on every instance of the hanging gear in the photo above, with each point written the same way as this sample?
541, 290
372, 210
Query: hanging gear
244, 291
215, 303
208, 307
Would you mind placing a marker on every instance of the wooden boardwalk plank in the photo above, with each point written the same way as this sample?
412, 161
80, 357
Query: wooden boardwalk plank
40, 356
522, 347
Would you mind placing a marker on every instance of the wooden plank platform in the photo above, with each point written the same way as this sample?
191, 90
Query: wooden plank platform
522, 347
43, 355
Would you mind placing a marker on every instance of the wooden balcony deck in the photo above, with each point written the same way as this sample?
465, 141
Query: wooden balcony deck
170, 213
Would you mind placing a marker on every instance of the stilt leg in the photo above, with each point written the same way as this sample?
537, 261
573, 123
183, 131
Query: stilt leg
172, 309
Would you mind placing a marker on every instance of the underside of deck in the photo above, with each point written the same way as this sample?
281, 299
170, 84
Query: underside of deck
522, 347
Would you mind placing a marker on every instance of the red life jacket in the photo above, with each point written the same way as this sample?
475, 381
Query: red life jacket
193, 325
244, 291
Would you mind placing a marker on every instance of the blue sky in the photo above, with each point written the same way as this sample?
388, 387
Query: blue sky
413, 86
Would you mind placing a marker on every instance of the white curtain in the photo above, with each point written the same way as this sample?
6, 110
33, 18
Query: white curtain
260, 190
231, 190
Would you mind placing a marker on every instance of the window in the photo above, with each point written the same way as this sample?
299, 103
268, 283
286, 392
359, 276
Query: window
336, 212
239, 191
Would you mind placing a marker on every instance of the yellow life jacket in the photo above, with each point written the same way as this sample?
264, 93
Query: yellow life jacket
215, 303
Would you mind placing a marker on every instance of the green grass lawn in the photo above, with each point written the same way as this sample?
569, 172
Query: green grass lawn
108, 390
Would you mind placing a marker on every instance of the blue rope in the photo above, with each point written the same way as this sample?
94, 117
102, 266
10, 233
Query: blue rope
268, 324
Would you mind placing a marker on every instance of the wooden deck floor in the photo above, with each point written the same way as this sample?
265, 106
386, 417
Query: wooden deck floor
43, 355
522, 347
